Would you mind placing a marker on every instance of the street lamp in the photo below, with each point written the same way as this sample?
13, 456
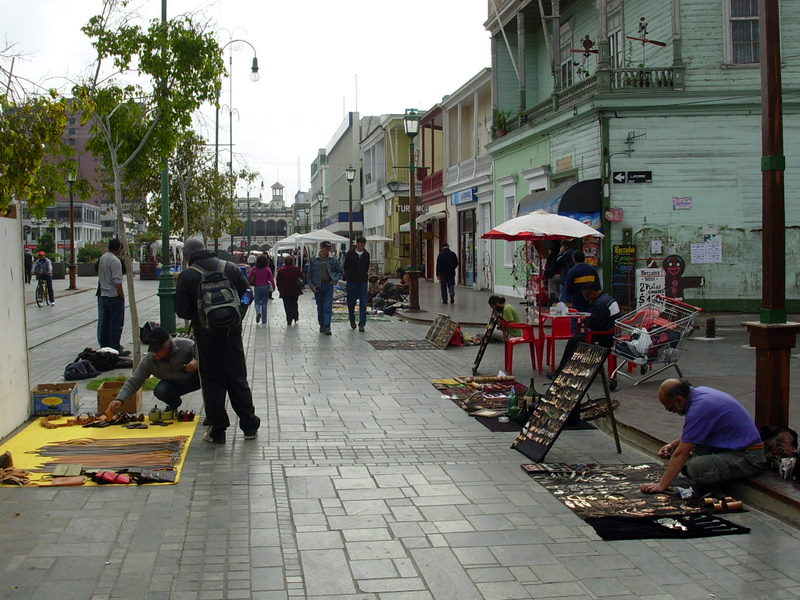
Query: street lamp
254, 76
350, 173
411, 126
307, 212
70, 183
320, 200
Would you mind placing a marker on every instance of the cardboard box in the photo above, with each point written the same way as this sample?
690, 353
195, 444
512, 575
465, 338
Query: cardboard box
54, 399
107, 392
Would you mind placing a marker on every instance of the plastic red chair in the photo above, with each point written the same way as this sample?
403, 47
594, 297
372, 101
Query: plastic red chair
527, 336
560, 329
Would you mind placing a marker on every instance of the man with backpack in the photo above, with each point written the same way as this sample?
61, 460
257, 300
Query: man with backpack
214, 294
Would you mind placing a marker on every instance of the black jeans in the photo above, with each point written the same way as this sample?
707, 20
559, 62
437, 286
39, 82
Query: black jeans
170, 392
290, 308
223, 370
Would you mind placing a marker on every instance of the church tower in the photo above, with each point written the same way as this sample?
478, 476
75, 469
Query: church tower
277, 197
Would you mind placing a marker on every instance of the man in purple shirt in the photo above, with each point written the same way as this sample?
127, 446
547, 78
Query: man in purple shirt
719, 441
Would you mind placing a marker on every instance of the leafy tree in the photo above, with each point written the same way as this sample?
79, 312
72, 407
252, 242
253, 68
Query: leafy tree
46, 243
89, 253
181, 64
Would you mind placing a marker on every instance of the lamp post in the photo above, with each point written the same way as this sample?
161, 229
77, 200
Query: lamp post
411, 126
70, 183
308, 212
254, 76
350, 173
166, 286
320, 200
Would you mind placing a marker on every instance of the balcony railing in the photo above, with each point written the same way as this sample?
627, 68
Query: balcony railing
645, 78
432, 183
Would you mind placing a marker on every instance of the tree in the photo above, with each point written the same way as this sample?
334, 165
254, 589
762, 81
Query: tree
132, 125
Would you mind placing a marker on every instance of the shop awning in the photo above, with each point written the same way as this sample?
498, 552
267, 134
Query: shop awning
430, 215
570, 198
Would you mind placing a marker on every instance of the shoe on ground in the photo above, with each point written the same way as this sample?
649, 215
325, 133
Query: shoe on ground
327, 332
174, 405
213, 436
444, 301
53, 303
124, 353
321, 329
352, 324
251, 435
258, 318
252, 432
361, 329
452, 300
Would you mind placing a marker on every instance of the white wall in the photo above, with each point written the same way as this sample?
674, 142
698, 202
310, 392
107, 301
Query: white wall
14, 391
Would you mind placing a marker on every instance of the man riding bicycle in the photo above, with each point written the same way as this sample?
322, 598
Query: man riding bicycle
43, 269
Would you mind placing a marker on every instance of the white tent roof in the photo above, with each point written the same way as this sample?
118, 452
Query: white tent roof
322, 235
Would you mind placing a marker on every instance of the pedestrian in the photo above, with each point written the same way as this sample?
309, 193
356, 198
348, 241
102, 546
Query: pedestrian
28, 265
172, 361
446, 265
603, 313
288, 283
324, 272
261, 278
507, 311
111, 301
271, 265
356, 273
579, 275
43, 269
719, 441
221, 359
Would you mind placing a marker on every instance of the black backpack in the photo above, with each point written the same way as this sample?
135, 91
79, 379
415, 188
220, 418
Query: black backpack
218, 303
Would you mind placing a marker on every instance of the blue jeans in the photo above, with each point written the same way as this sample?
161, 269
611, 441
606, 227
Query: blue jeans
357, 290
261, 297
110, 319
324, 298
170, 392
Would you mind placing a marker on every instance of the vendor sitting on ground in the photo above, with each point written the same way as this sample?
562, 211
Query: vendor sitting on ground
405, 280
508, 312
390, 290
719, 441
374, 288
170, 360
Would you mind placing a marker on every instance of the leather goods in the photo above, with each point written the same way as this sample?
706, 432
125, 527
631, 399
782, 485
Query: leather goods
153, 476
67, 470
74, 480
5, 460
111, 477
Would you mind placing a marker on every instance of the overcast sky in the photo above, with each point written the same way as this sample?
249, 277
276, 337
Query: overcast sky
311, 55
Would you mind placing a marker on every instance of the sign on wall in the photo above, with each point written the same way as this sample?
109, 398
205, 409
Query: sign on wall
649, 283
623, 273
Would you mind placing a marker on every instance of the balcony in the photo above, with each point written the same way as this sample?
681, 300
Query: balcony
432, 185
646, 78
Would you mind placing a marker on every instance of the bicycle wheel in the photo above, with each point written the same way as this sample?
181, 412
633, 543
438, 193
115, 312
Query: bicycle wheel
39, 294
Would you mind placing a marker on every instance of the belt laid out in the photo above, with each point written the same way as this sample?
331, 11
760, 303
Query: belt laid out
756, 447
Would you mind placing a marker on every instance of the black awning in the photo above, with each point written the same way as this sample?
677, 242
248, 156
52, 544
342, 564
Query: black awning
582, 197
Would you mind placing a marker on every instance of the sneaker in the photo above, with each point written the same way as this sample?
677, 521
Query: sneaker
258, 317
214, 436
124, 353
361, 329
352, 324
52, 303
327, 332
251, 435
444, 301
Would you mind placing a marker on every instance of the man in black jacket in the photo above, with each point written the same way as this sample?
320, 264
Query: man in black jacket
446, 265
222, 362
356, 273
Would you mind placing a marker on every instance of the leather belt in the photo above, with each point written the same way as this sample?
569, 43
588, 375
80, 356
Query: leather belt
756, 447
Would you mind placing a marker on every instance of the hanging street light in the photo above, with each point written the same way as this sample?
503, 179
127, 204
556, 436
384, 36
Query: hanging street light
350, 173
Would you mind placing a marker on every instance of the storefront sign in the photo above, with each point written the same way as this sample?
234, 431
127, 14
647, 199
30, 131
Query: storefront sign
623, 270
464, 196
649, 283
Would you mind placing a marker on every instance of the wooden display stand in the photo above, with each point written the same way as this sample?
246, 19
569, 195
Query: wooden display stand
570, 385
487, 335
441, 331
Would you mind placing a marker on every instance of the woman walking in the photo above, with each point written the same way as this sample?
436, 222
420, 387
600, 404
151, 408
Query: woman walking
287, 282
262, 280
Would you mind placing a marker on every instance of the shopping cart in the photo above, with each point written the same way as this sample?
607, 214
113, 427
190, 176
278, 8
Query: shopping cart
653, 334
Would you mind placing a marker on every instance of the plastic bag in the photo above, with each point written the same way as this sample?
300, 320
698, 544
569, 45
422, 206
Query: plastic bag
640, 341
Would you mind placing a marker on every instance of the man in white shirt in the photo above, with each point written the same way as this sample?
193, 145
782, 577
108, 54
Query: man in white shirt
111, 299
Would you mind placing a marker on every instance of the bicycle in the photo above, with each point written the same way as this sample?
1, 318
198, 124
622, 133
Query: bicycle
42, 297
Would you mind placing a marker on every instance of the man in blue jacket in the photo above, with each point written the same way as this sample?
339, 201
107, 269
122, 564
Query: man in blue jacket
324, 272
579, 275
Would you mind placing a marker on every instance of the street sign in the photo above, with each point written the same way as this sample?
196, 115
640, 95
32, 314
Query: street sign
26, 229
640, 177
618, 177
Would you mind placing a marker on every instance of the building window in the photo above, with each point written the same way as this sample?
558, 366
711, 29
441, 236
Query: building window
565, 37
741, 32
616, 38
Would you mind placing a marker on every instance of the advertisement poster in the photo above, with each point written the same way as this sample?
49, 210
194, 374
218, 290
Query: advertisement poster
623, 275
649, 283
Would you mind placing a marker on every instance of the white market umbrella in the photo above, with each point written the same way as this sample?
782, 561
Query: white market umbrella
540, 225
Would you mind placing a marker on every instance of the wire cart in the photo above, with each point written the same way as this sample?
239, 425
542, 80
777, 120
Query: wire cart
653, 334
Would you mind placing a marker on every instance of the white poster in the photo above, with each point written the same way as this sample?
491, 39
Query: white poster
649, 282
706, 252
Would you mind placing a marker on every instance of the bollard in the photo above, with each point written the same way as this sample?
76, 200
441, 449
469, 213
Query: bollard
711, 327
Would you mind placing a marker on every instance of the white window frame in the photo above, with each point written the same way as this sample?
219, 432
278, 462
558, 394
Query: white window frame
727, 37
508, 185
565, 57
615, 25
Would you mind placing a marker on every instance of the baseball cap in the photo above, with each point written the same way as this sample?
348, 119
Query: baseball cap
325, 245
41, 253
156, 339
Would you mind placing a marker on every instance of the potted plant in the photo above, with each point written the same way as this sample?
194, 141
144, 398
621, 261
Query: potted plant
500, 122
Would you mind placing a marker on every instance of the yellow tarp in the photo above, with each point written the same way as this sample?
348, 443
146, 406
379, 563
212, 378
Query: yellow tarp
23, 445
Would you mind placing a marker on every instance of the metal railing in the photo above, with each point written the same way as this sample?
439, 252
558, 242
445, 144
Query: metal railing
642, 78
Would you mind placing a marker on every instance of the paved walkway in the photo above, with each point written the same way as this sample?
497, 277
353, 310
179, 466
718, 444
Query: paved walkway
363, 484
